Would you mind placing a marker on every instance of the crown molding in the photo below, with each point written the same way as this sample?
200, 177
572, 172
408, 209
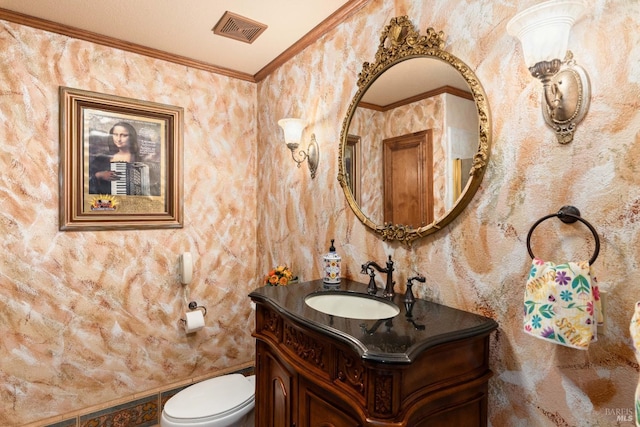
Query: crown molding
325, 26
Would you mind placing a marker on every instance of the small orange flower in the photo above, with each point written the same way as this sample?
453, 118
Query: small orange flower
279, 276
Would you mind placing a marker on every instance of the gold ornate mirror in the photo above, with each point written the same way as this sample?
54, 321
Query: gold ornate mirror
415, 142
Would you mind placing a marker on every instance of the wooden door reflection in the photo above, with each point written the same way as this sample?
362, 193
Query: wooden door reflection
408, 179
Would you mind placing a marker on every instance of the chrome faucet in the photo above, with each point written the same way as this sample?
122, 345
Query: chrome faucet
388, 290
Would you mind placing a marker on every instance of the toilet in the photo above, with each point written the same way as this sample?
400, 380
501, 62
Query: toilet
223, 401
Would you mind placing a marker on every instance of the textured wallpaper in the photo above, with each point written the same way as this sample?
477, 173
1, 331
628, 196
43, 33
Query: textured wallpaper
480, 262
87, 317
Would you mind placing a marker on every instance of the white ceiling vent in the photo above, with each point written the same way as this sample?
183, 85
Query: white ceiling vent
238, 27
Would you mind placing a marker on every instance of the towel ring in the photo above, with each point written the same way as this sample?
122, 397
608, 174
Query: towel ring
568, 215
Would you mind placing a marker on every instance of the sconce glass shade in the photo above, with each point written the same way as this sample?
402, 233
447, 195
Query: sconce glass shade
292, 136
292, 131
544, 29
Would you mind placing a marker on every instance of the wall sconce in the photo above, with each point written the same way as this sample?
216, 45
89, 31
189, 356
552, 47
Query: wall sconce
292, 135
543, 31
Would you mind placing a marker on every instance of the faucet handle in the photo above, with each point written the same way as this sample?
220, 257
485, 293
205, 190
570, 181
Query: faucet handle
420, 278
364, 267
372, 289
408, 296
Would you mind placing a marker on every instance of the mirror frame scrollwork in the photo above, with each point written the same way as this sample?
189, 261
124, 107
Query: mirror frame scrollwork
400, 41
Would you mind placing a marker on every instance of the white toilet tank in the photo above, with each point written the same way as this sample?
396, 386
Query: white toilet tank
223, 401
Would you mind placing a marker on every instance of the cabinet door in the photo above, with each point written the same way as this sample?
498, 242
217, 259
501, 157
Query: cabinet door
275, 398
316, 410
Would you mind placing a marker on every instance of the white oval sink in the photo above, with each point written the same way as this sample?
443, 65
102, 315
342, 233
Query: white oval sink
352, 306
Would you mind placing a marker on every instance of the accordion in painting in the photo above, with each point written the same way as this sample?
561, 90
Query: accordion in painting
133, 179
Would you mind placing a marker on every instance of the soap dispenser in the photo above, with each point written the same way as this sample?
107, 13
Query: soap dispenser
331, 273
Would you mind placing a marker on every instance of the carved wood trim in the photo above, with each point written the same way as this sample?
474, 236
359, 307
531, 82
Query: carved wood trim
303, 346
383, 394
447, 385
351, 372
269, 323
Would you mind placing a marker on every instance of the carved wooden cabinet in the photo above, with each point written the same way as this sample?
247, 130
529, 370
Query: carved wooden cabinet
317, 370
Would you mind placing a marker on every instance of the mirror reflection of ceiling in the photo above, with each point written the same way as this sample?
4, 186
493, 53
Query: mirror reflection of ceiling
427, 75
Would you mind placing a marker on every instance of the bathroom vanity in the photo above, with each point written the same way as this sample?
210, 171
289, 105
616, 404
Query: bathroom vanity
427, 365
328, 362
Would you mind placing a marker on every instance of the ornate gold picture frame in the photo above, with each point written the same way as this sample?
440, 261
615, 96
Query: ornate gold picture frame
120, 163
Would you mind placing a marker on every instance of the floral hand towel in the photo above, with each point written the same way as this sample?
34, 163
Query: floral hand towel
562, 303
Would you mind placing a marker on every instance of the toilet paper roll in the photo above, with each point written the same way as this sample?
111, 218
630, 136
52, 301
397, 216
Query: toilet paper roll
194, 321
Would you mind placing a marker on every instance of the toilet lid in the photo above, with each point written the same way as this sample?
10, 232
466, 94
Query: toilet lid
212, 397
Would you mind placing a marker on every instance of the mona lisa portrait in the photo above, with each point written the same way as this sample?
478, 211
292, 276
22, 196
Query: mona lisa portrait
120, 163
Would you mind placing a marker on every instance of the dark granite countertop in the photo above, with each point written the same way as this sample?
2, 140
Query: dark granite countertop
400, 339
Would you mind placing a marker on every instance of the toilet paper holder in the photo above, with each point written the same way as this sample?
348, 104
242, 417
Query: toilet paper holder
194, 306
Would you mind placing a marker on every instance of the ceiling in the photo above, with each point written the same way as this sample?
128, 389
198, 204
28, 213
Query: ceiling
184, 27
181, 31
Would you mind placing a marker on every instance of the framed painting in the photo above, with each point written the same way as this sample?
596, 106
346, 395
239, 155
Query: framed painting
352, 165
120, 163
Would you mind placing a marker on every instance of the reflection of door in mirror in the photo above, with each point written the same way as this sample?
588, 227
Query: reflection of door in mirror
352, 161
375, 126
408, 179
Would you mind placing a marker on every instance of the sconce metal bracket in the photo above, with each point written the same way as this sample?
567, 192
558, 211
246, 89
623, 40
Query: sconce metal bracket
312, 155
566, 99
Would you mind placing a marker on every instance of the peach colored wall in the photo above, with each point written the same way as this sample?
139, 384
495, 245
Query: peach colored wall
479, 262
88, 317
92, 316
